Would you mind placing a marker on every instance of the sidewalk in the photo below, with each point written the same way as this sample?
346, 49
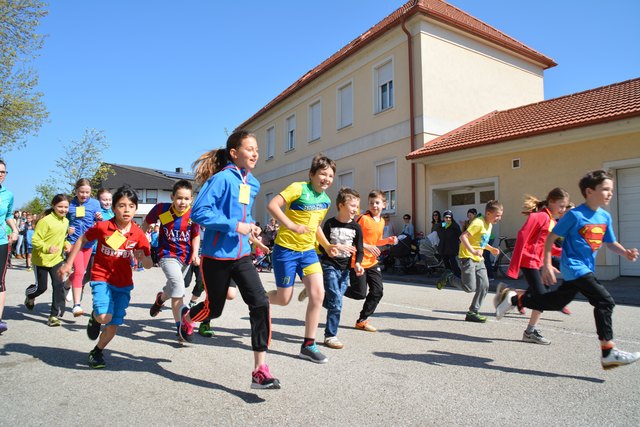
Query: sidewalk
624, 290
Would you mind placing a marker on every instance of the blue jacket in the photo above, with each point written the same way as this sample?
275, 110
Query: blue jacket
6, 212
218, 209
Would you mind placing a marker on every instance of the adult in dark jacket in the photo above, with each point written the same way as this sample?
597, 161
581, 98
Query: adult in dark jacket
449, 235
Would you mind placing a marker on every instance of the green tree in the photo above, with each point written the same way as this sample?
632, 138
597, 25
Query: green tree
83, 159
21, 109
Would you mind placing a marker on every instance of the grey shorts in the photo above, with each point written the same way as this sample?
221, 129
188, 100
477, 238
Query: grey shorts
174, 271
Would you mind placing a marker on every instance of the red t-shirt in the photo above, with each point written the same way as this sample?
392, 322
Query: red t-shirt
114, 265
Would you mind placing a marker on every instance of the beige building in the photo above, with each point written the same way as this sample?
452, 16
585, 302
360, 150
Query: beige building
422, 71
427, 60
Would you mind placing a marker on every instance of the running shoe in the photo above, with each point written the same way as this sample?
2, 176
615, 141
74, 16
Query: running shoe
365, 326
67, 294
505, 304
205, 330
473, 316
303, 295
333, 342
261, 378
53, 321
192, 303
619, 358
93, 328
496, 298
29, 303
312, 353
96, 359
535, 337
442, 281
565, 310
77, 310
156, 307
186, 328
3, 327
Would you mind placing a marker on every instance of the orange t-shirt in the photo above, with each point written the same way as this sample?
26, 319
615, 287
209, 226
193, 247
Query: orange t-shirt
372, 231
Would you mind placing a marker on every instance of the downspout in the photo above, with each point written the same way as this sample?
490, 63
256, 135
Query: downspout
411, 120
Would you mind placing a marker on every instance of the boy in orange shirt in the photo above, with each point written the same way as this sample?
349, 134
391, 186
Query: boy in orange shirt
372, 231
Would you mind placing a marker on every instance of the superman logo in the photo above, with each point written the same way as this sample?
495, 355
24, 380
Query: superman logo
593, 234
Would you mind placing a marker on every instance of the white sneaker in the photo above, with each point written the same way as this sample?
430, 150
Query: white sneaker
505, 305
496, 297
77, 311
67, 294
333, 342
619, 358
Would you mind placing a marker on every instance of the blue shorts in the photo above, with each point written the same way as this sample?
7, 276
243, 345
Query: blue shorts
287, 263
109, 299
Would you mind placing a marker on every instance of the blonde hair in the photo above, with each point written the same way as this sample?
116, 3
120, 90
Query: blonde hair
532, 204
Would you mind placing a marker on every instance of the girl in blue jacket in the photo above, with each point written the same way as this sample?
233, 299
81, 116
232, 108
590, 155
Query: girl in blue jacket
223, 207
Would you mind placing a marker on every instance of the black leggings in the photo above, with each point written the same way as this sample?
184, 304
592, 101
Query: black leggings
357, 289
588, 286
4, 262
216, 276
58, 302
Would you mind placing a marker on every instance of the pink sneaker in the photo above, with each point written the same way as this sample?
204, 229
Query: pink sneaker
261, 378
186, 328
566, 310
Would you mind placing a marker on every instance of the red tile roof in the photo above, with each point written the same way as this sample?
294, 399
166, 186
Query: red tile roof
604, 104
435, 9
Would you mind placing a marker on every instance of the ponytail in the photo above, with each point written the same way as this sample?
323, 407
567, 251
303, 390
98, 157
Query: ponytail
209, 164
532, 204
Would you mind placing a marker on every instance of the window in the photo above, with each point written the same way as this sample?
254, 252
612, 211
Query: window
140, 193
486, 196
384, 87
290, 136
345, 179
152, 196
462, 199
386, 181
315, 121
271, 142
345, 106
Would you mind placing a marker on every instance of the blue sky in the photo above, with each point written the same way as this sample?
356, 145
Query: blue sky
164, 79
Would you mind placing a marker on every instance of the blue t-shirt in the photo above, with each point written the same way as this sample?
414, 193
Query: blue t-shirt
584, 231
6, 212
84, 222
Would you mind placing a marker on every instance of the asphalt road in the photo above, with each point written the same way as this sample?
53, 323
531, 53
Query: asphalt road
426, 366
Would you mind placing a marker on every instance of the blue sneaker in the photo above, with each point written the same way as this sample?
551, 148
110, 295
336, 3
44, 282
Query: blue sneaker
312, 353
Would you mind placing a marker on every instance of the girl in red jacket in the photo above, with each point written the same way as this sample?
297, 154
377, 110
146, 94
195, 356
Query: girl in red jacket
528, 252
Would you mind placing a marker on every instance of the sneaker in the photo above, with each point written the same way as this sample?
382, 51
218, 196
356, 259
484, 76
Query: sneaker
29, 269
3, 327
442, 281
333, 342
192, 303
473, 316
496, 298
565, 310
96, 359
535, 337
156, 307
261, 378
186, 328
522, 311
53, 321
29, 303
205, 330
303, 295
77, 310
619, 358
312, 353
365, 326
505, 305
93, 328
67, 294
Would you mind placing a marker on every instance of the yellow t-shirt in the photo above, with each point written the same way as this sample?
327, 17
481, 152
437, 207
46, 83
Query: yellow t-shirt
305, 207
479, 234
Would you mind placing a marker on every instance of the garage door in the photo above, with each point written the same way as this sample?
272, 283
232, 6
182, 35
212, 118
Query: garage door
628, 232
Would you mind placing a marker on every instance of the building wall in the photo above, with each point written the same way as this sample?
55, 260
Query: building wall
547, 161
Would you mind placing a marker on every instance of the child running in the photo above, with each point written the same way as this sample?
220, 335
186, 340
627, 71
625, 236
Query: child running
119, 239
340, 230
584, 230
48, 243
473, 271
372, 227
178, 246
83, 212
306, 204
223, 207
529, 249
106, 200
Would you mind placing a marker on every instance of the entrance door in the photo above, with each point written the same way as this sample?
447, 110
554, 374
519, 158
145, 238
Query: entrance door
628, 232
460, 201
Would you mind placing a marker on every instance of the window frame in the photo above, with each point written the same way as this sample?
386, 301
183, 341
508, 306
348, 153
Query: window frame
388, 85
391, 194
290, 133
311, 137
339, 113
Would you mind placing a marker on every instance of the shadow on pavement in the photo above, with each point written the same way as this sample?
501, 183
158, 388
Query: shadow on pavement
439, 358
440, 335
119, 361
